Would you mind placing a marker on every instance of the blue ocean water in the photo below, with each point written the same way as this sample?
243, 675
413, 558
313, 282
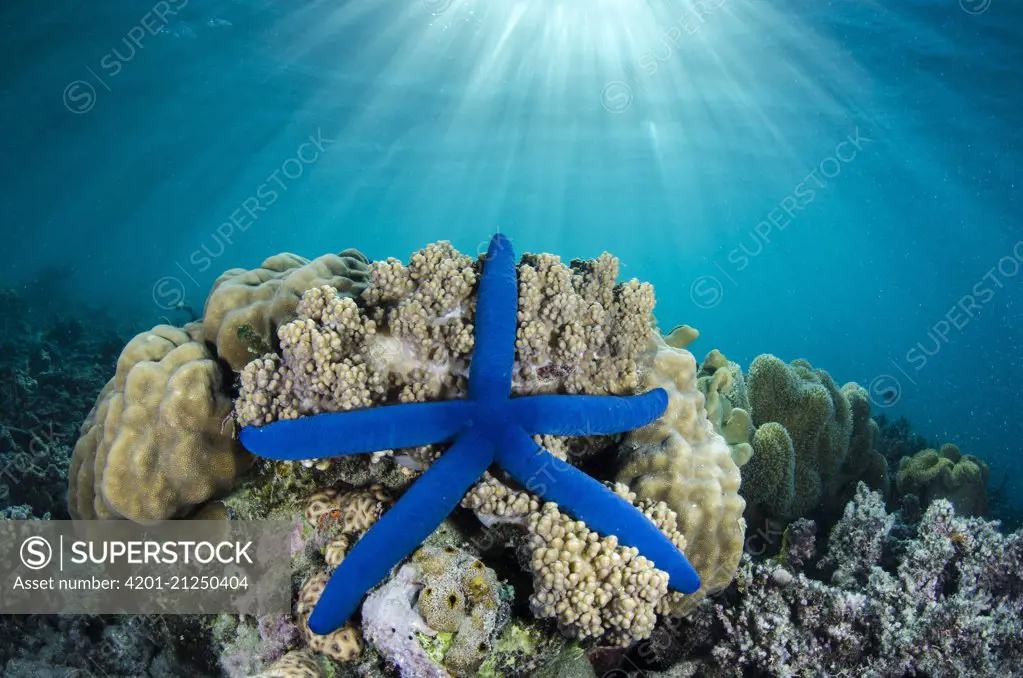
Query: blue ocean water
838, 181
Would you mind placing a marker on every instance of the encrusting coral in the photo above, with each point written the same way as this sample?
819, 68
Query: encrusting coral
260, 300
160, 439
945, 474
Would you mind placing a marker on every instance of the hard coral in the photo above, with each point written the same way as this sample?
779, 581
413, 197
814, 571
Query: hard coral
411, 340
295, 664
159, 441
264, 298
724, 390
593, 587
579, 331
342, 644
680, 460
487, 427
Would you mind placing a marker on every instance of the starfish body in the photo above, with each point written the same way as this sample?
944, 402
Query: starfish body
489, 427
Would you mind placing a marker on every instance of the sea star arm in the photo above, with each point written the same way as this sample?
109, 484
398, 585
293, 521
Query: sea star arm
581, 415
587, 500
357, 431
490, 373
401, 529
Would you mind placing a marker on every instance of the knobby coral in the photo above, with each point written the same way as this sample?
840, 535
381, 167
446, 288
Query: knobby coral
680, 460
487, 427
813, 440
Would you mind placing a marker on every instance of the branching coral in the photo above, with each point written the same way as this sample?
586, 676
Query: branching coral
592, 586
578, 331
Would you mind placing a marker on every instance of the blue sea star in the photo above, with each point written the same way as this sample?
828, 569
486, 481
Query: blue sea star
490, 426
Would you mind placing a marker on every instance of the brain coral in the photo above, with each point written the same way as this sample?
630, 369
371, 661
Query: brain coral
264, 298
295, 664
945, 474
680, 460
343, 644
159, 440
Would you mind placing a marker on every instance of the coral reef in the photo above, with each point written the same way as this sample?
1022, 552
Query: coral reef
489, 427
159, 441
680, 460
945, 474
926, 591
942, 597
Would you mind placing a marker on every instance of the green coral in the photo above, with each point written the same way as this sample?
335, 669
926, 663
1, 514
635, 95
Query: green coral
813, 440
945, 474
768, 479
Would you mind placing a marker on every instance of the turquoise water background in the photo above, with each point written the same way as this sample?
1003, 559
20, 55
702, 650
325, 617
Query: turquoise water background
838, 181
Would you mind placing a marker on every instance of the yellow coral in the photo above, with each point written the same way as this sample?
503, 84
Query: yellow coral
160, 440
680, 460
265, 298
945, 474
720, 381
343, 644
296, 664
593, 586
